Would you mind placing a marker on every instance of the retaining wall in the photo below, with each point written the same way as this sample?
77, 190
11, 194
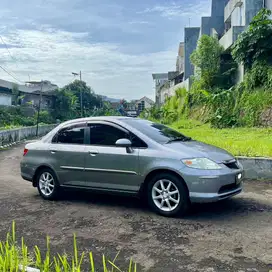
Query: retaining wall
12, 136
257, 168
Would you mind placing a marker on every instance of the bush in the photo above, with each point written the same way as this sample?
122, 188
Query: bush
45, 117
251, 105
16, 257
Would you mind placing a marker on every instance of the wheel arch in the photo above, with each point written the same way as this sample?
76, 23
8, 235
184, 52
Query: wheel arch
38, 169
158, 171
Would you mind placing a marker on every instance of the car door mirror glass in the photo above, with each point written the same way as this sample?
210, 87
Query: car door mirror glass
123, 143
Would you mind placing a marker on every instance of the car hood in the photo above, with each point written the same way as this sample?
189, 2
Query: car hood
195, 149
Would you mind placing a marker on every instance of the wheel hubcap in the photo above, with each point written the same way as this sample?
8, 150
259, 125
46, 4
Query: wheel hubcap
165, 195
46, 184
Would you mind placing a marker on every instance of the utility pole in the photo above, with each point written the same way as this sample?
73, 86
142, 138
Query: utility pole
81, 99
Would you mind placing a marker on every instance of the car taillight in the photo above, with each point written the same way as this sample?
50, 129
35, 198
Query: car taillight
25, 151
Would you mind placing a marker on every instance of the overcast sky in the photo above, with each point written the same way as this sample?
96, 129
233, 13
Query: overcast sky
117, 44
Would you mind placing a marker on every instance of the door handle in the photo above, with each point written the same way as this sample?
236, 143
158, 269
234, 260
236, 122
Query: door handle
53, 151
93, 153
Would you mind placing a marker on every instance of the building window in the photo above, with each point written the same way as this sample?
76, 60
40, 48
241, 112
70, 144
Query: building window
141, 106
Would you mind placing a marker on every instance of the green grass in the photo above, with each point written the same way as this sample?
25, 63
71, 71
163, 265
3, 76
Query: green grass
252, 142
15, 257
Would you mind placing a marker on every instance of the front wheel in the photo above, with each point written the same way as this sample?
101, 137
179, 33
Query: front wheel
167, 195
47, 184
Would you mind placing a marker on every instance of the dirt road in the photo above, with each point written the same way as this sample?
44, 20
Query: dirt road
234, 235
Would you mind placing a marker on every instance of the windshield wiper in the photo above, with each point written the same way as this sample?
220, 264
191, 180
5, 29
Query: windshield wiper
181, 139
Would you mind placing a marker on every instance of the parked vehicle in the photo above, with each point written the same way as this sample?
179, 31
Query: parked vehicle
132, 156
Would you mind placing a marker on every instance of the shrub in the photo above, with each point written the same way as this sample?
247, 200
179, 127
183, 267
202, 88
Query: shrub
251, 105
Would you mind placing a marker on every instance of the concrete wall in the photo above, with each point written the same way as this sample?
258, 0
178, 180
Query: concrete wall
231, 36
205, 26
191, 35
9, 137
257, 168
217, 15
185, 84
238, 16
5, 100
268, 4
252, 7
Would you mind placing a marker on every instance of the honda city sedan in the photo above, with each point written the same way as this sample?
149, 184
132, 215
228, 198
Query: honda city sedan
131, 156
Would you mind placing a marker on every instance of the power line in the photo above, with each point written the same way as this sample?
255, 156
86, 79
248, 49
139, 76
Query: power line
10, 74
9, 51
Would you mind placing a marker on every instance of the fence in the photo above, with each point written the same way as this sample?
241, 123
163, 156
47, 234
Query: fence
12, 136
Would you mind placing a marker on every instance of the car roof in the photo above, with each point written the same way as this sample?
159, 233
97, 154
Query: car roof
97, 118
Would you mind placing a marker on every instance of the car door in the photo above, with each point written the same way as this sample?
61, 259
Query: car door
107, 166
68, 153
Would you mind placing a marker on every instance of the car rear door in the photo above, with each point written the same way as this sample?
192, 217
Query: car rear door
107, 166
67, 154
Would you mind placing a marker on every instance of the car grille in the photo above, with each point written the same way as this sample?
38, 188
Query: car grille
228, 188
231, 164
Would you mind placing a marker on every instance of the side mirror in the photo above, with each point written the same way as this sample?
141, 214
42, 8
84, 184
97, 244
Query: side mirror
123, 143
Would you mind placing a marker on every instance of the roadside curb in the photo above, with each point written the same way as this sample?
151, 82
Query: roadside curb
28, 269
256, 167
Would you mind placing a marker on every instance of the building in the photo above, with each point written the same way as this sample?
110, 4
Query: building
159, 79
29, 94
144, 103
180, 59
228, 19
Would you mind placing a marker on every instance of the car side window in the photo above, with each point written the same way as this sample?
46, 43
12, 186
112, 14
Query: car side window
71, 135
106, 135
137, 142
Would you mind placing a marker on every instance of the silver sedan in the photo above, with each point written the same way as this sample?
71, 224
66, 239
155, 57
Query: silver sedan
131, 156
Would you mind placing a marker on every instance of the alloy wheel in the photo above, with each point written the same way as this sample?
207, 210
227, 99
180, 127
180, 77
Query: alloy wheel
46, 184
165, 195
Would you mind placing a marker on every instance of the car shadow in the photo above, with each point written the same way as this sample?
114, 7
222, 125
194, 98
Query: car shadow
207, 211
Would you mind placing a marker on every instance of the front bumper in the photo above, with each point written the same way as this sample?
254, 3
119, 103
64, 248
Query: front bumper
212, 186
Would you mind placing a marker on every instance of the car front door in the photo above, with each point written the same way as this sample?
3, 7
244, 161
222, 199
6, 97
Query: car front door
108, 167
68, 153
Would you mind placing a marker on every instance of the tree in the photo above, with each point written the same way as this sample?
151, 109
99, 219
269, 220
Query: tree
66, 104
255, 43
206, 59
15, 94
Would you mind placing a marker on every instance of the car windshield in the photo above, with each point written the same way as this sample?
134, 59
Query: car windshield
157, 132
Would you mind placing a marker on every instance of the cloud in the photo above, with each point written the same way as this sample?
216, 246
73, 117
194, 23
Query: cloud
173, 10
117, 46
53, 54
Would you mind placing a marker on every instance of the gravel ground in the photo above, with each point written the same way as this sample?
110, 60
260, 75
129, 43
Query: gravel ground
233, 235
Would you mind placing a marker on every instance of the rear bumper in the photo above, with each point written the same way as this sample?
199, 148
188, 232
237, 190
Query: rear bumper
26, 177
27, 172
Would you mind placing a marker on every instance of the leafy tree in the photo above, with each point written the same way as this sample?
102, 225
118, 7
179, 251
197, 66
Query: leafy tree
68, 100
15, 94
255, 43
206, 59
66, 104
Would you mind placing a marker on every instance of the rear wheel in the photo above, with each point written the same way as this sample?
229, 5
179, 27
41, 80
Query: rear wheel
167, 195
47, 184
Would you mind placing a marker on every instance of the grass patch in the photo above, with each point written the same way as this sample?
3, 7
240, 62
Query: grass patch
15, 257
251, 142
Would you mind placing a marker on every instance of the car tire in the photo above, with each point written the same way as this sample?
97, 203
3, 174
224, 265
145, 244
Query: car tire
47, 184
168, 201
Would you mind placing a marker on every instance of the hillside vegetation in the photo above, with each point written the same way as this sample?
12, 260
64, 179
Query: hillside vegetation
214, 97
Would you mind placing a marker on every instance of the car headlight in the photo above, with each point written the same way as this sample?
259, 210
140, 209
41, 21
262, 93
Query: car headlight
201, 163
